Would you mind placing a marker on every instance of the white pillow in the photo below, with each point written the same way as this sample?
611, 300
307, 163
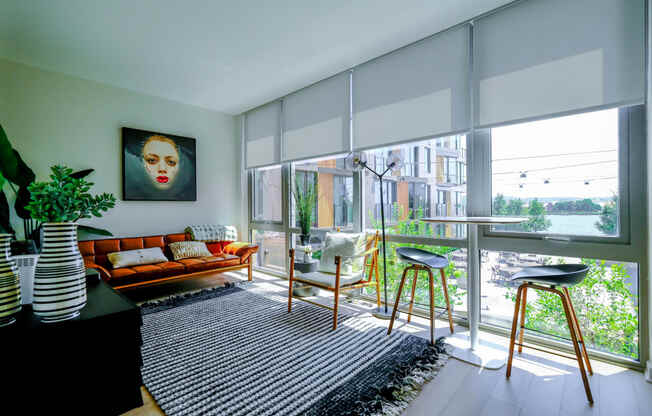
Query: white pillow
189, 249
343, 244
136, 257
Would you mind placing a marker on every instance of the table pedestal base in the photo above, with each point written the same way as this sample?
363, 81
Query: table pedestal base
487, 355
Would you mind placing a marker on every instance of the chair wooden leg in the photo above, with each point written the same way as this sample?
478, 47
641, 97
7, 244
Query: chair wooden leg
512, 337
337, 299
250, 270
448, 303
414, 286
431, 288
578, 353
579, 331
398, 298
522, 328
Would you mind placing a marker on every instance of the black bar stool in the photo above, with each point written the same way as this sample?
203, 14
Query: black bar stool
422, 260
548, 278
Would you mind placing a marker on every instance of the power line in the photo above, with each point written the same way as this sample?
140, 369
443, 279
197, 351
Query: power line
559, 154
553, 181
556, 167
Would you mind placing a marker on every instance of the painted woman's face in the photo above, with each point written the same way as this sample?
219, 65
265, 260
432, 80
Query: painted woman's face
161, 160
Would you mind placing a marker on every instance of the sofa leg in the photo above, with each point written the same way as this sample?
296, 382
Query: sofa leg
249, 271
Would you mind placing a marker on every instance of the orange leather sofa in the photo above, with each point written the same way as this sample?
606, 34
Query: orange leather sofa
226, 256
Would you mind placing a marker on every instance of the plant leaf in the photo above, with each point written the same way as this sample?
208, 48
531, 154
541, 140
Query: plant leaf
25, 174
82, 173
8, 162
5, 220
93, 230
22, 200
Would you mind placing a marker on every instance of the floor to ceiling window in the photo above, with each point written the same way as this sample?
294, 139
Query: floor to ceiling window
567, 184
432, 181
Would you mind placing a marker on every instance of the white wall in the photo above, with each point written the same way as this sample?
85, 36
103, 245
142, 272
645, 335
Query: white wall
56, 119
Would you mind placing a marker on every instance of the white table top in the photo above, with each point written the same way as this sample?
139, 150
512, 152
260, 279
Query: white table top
476, 220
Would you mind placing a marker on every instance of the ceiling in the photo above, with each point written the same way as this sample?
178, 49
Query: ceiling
227, 56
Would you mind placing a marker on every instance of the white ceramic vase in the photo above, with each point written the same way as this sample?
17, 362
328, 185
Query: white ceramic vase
9, 283
60, 276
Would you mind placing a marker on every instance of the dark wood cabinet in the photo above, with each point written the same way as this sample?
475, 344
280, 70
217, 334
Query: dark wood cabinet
87, 365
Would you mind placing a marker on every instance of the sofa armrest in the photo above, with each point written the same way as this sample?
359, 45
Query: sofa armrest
103, 272
241, 249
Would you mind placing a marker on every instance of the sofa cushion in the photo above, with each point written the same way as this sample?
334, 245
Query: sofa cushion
122, 273
155, 241
128, 244
139, 257
147, 269
171, 268
214, 248
210, 262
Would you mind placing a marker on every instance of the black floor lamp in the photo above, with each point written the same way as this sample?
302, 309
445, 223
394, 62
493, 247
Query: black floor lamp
357, 162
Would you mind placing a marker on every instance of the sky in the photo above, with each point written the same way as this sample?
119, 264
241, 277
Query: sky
575, 149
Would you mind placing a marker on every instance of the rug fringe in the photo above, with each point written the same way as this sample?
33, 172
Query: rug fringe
191, 297
406, 384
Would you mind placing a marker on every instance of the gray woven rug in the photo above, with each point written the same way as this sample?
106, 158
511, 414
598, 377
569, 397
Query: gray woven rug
231, 351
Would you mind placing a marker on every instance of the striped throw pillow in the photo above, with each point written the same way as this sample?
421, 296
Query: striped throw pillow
189, 249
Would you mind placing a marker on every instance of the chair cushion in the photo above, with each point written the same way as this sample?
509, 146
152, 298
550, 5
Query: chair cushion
328, 279
343, 244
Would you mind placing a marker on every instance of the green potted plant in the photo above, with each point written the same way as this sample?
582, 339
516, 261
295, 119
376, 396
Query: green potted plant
305, 207
17, 175
60, 272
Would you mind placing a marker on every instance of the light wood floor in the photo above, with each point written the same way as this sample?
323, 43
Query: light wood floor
540, 384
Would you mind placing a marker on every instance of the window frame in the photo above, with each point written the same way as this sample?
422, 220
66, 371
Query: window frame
628, 246
623, 196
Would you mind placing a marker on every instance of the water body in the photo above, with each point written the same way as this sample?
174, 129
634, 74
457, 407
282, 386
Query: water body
573, 224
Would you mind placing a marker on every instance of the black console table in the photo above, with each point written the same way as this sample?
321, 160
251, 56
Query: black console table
87, 365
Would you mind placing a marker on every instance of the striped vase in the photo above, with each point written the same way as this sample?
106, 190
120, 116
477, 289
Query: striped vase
9, 284
60, 276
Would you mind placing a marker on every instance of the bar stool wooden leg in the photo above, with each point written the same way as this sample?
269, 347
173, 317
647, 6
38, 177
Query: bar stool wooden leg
448, 304
578, 354
579, 331
398, 298
431, 287
414, 286
512, 337
522, 330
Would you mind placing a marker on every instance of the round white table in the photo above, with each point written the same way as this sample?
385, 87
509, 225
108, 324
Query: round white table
473, 353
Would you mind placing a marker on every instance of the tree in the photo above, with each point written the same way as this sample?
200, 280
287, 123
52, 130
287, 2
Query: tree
537, 217
514, 207
608, 222
499, 205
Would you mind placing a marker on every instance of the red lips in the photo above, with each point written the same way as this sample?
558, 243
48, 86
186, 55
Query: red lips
162, 179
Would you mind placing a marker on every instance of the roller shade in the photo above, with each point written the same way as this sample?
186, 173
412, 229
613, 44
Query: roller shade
415, 92
316, 120
263, 135
545, 57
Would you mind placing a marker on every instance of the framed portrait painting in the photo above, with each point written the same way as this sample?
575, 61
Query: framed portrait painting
158, 167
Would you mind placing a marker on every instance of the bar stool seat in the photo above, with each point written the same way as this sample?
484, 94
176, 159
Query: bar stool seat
422, 260
548, 278
563, 275
422, 257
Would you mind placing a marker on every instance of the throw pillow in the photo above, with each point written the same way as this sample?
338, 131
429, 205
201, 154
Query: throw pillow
136, 257
343, 244
189, 249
